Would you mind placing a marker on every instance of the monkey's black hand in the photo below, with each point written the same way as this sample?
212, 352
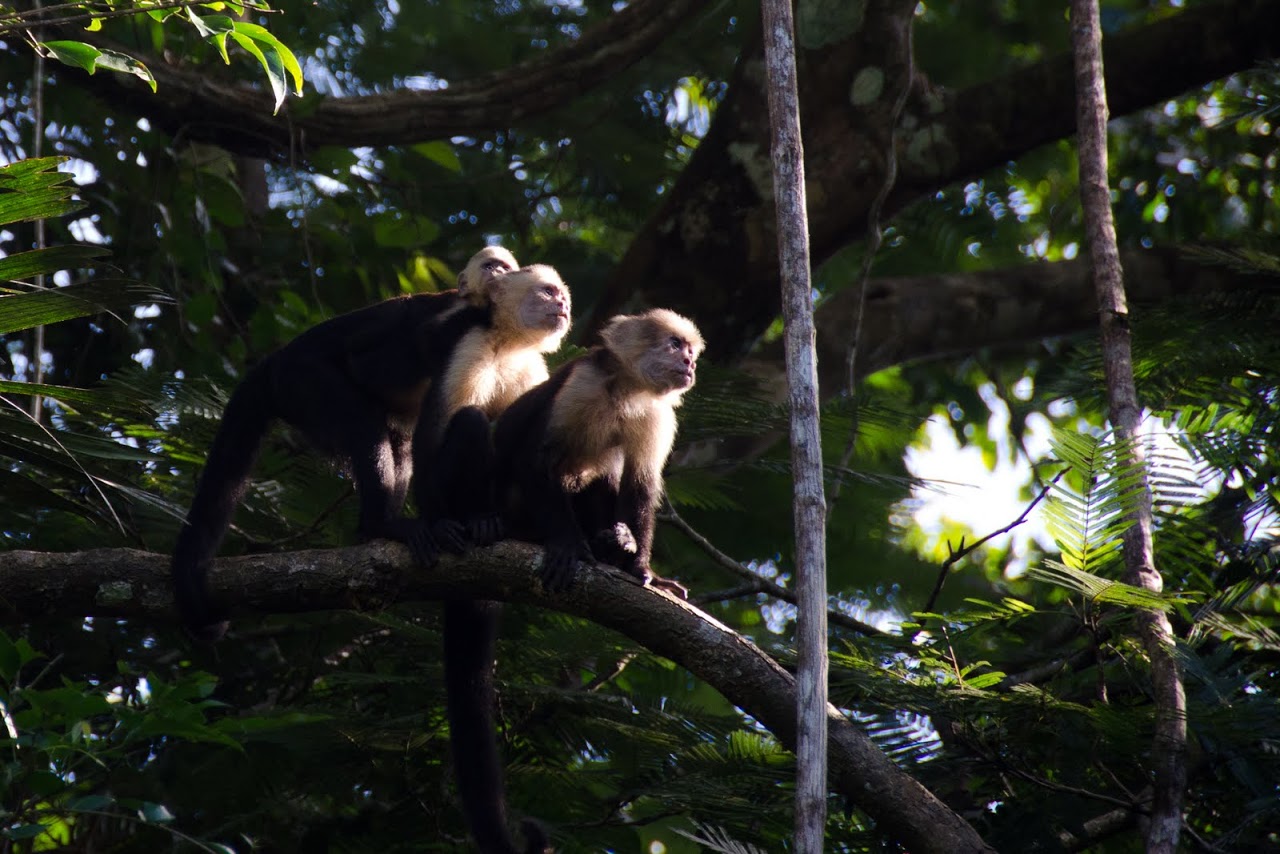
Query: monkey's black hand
560, 565
485, 530
416, 534
423, 546
450, 535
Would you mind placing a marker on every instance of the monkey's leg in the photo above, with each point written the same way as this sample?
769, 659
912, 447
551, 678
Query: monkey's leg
463, 477
552, 508
381, 481
611, 539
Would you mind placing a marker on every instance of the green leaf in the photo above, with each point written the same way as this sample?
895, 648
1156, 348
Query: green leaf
52, 305
122, 62
90, 58
275, 78
441, 153
397, 231
276, 59
155, 813
83, 396
22, 265
286, 57
73, 53
10, 661
90, 803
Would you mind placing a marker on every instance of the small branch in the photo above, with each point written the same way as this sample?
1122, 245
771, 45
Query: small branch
756, 582
955, 555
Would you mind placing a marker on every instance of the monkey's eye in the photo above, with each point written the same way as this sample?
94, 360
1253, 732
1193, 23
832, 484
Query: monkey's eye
549, 291
675, 343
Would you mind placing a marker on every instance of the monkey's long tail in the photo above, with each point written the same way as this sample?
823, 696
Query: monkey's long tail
470, 635
222, 485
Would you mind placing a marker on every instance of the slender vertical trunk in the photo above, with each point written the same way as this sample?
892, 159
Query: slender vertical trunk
806, 442
1168, 751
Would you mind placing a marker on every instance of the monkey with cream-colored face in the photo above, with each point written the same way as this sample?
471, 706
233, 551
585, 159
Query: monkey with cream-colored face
354, 386
580, 457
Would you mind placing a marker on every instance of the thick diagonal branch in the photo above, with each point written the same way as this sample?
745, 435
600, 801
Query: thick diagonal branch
135, 584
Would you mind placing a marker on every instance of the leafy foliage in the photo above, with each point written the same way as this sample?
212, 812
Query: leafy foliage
1020, 698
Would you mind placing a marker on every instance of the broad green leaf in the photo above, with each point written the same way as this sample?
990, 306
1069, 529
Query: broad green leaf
400, 231
22, 168
276, 79
90, 803
73, 53
52, 305
83, 396
25, 492
122, 62
155, 813
21, 207
10, 661
23, 265
90, 59
441, 153
287, 59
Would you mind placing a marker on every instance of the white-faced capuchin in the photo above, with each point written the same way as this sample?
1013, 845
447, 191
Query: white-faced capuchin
355, 386
454, 447
580, 457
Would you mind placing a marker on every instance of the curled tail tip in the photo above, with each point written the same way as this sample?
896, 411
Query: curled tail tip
536, 839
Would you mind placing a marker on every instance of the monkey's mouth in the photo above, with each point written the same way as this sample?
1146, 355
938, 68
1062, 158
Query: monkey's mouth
684, 379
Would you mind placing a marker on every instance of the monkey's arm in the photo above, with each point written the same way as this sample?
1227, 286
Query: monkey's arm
637, 506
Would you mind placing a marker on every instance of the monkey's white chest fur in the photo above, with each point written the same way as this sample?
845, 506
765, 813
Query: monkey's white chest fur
490, 377
612, 434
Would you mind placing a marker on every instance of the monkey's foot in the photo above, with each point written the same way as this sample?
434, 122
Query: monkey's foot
675, 588
485, 530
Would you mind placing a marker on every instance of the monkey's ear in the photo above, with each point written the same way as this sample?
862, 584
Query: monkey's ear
462, 282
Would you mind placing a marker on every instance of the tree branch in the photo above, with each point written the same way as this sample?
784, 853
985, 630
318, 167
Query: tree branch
727, 276
239, 118
135, 584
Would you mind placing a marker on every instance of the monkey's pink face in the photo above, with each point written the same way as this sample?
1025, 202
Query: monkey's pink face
673, 363
546, 306
552, 304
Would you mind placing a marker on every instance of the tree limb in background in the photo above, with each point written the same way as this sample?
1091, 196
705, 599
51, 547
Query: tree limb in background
1168, 750
240, 119
726, 276
135, 584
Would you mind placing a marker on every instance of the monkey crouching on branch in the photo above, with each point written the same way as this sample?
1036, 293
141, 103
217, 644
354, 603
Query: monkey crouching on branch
580, 457
354, 386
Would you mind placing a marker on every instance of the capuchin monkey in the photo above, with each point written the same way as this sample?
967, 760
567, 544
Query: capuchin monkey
579, 458
454, 491
354, 386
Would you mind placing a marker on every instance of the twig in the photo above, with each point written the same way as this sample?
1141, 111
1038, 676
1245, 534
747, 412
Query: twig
762, 585
955, 555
